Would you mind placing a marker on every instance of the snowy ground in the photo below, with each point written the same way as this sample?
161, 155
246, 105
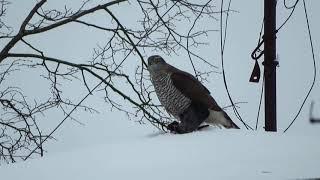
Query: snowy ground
209, 154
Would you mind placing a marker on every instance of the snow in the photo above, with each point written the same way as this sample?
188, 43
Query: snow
208, 154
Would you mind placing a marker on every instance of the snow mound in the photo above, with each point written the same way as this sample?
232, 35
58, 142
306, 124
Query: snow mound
208, 154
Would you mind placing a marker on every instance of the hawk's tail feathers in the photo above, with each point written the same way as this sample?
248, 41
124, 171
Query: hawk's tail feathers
220, 118
232, 124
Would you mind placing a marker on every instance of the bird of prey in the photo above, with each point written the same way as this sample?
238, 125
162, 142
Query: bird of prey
184, 97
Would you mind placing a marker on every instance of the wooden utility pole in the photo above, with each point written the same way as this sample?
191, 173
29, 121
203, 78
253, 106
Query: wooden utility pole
270, 63
313, 119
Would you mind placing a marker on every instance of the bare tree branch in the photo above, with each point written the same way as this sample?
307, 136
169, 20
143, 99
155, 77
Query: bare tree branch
156, 29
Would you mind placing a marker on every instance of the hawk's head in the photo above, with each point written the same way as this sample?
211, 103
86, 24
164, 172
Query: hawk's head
156, 63
155, 59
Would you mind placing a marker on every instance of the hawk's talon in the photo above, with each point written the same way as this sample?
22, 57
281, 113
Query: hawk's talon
173, 127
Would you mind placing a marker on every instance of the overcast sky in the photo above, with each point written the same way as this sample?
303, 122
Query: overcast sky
295, 71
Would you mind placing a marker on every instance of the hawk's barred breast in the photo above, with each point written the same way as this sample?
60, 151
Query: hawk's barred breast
170, 97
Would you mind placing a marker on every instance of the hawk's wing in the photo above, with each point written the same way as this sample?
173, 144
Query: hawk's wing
189, 86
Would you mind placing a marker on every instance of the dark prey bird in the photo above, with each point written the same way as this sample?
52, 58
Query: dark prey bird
184, 97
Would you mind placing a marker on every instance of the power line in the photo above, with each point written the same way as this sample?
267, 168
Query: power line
260, 40
289, 7
314, 68
223, 35
293, 7
260, 102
